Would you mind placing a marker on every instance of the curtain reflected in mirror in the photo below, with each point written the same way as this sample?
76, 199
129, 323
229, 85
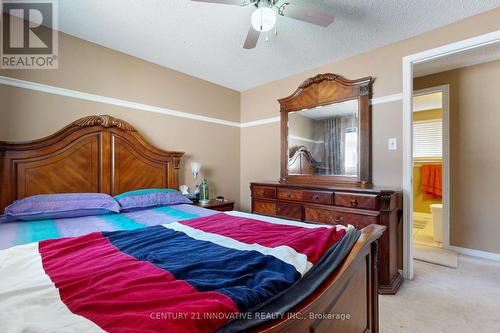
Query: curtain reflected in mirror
324, 140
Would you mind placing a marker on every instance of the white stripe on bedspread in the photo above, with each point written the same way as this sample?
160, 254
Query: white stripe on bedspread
276, 220
284, 253
29, 301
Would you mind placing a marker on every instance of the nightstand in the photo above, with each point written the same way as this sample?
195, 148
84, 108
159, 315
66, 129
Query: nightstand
220, 205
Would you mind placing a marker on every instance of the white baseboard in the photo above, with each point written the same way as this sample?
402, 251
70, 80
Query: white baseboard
475, 253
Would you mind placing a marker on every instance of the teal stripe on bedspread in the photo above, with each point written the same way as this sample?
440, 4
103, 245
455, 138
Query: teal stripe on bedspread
142, 192
174, 213
34, 231
122, 222
24, 232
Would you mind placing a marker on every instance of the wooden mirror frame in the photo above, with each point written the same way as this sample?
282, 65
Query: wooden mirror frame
325, 89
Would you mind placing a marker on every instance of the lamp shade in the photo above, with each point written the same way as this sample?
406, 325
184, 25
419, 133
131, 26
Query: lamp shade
195, 169
263, 19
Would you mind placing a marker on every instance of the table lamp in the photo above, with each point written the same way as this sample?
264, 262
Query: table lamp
195, 169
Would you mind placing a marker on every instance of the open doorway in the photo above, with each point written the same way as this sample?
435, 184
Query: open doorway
470, 220
430, 150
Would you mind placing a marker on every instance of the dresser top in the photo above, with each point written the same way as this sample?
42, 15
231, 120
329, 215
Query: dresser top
342, 188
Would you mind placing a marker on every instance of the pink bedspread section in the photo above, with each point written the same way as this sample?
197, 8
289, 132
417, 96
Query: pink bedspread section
122, 294
312, 242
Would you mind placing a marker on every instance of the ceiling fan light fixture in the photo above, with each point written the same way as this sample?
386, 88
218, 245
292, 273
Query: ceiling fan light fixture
263, 19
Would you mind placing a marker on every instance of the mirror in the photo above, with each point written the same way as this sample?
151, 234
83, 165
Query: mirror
326, 132
324, 140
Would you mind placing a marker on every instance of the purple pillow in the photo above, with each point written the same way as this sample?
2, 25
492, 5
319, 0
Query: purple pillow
55, 206
151, 197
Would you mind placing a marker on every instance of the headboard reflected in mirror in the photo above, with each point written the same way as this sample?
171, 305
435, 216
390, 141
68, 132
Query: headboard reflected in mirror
92, 154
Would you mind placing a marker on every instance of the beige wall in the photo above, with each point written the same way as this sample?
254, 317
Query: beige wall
474, 153
260, 144
305, 128
87, 67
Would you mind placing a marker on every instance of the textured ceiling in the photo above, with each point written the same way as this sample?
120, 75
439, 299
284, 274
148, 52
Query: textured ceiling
205, 40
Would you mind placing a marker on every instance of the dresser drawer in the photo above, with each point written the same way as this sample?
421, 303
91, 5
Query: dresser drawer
363, 201
330, 216
289, 194
277, 208
264, 192
289, 210
264, 207
319, 197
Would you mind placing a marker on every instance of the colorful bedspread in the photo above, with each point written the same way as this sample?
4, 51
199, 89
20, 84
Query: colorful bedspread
24, 232
195, 275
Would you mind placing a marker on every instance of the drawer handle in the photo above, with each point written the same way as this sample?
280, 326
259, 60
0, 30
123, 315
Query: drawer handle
354, 203
277, 210
316, 197
289, 195
339, 219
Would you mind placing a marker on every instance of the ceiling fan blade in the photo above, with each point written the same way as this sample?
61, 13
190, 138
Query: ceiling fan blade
252, 38
241, 3
310, 15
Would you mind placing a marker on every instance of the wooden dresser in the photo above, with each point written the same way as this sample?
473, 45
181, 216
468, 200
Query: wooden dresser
340, 205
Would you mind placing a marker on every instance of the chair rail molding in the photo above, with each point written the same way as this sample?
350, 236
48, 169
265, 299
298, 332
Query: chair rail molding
49, 89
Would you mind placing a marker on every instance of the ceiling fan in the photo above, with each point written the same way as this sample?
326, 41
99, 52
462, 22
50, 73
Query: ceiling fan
265, 14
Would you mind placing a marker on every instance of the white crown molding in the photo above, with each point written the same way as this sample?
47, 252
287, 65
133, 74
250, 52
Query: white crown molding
5, 80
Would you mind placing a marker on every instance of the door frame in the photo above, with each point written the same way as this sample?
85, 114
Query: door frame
408, 62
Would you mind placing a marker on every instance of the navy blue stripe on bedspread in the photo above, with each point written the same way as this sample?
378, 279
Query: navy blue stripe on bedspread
248, 277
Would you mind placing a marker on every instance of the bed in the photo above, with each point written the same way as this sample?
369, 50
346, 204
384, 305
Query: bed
107, 155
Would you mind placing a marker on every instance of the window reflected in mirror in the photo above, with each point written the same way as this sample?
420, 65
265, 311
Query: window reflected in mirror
324, 140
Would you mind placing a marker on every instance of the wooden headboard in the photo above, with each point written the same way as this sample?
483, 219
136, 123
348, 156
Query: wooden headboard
92, 154
301, 162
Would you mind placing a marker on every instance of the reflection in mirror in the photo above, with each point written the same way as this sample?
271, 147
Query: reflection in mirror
324, 140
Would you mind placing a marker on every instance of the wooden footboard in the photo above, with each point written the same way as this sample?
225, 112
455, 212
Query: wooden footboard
347, 302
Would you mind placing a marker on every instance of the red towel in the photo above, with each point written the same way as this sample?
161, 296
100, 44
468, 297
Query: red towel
432, 181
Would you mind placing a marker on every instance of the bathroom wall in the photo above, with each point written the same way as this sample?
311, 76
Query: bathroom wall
420, 203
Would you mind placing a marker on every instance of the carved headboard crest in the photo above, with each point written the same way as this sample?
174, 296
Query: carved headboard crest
104, 121
318, 79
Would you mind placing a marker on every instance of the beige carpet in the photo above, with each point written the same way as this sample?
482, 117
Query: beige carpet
442, 299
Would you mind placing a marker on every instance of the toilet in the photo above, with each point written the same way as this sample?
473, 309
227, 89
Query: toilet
437, 221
